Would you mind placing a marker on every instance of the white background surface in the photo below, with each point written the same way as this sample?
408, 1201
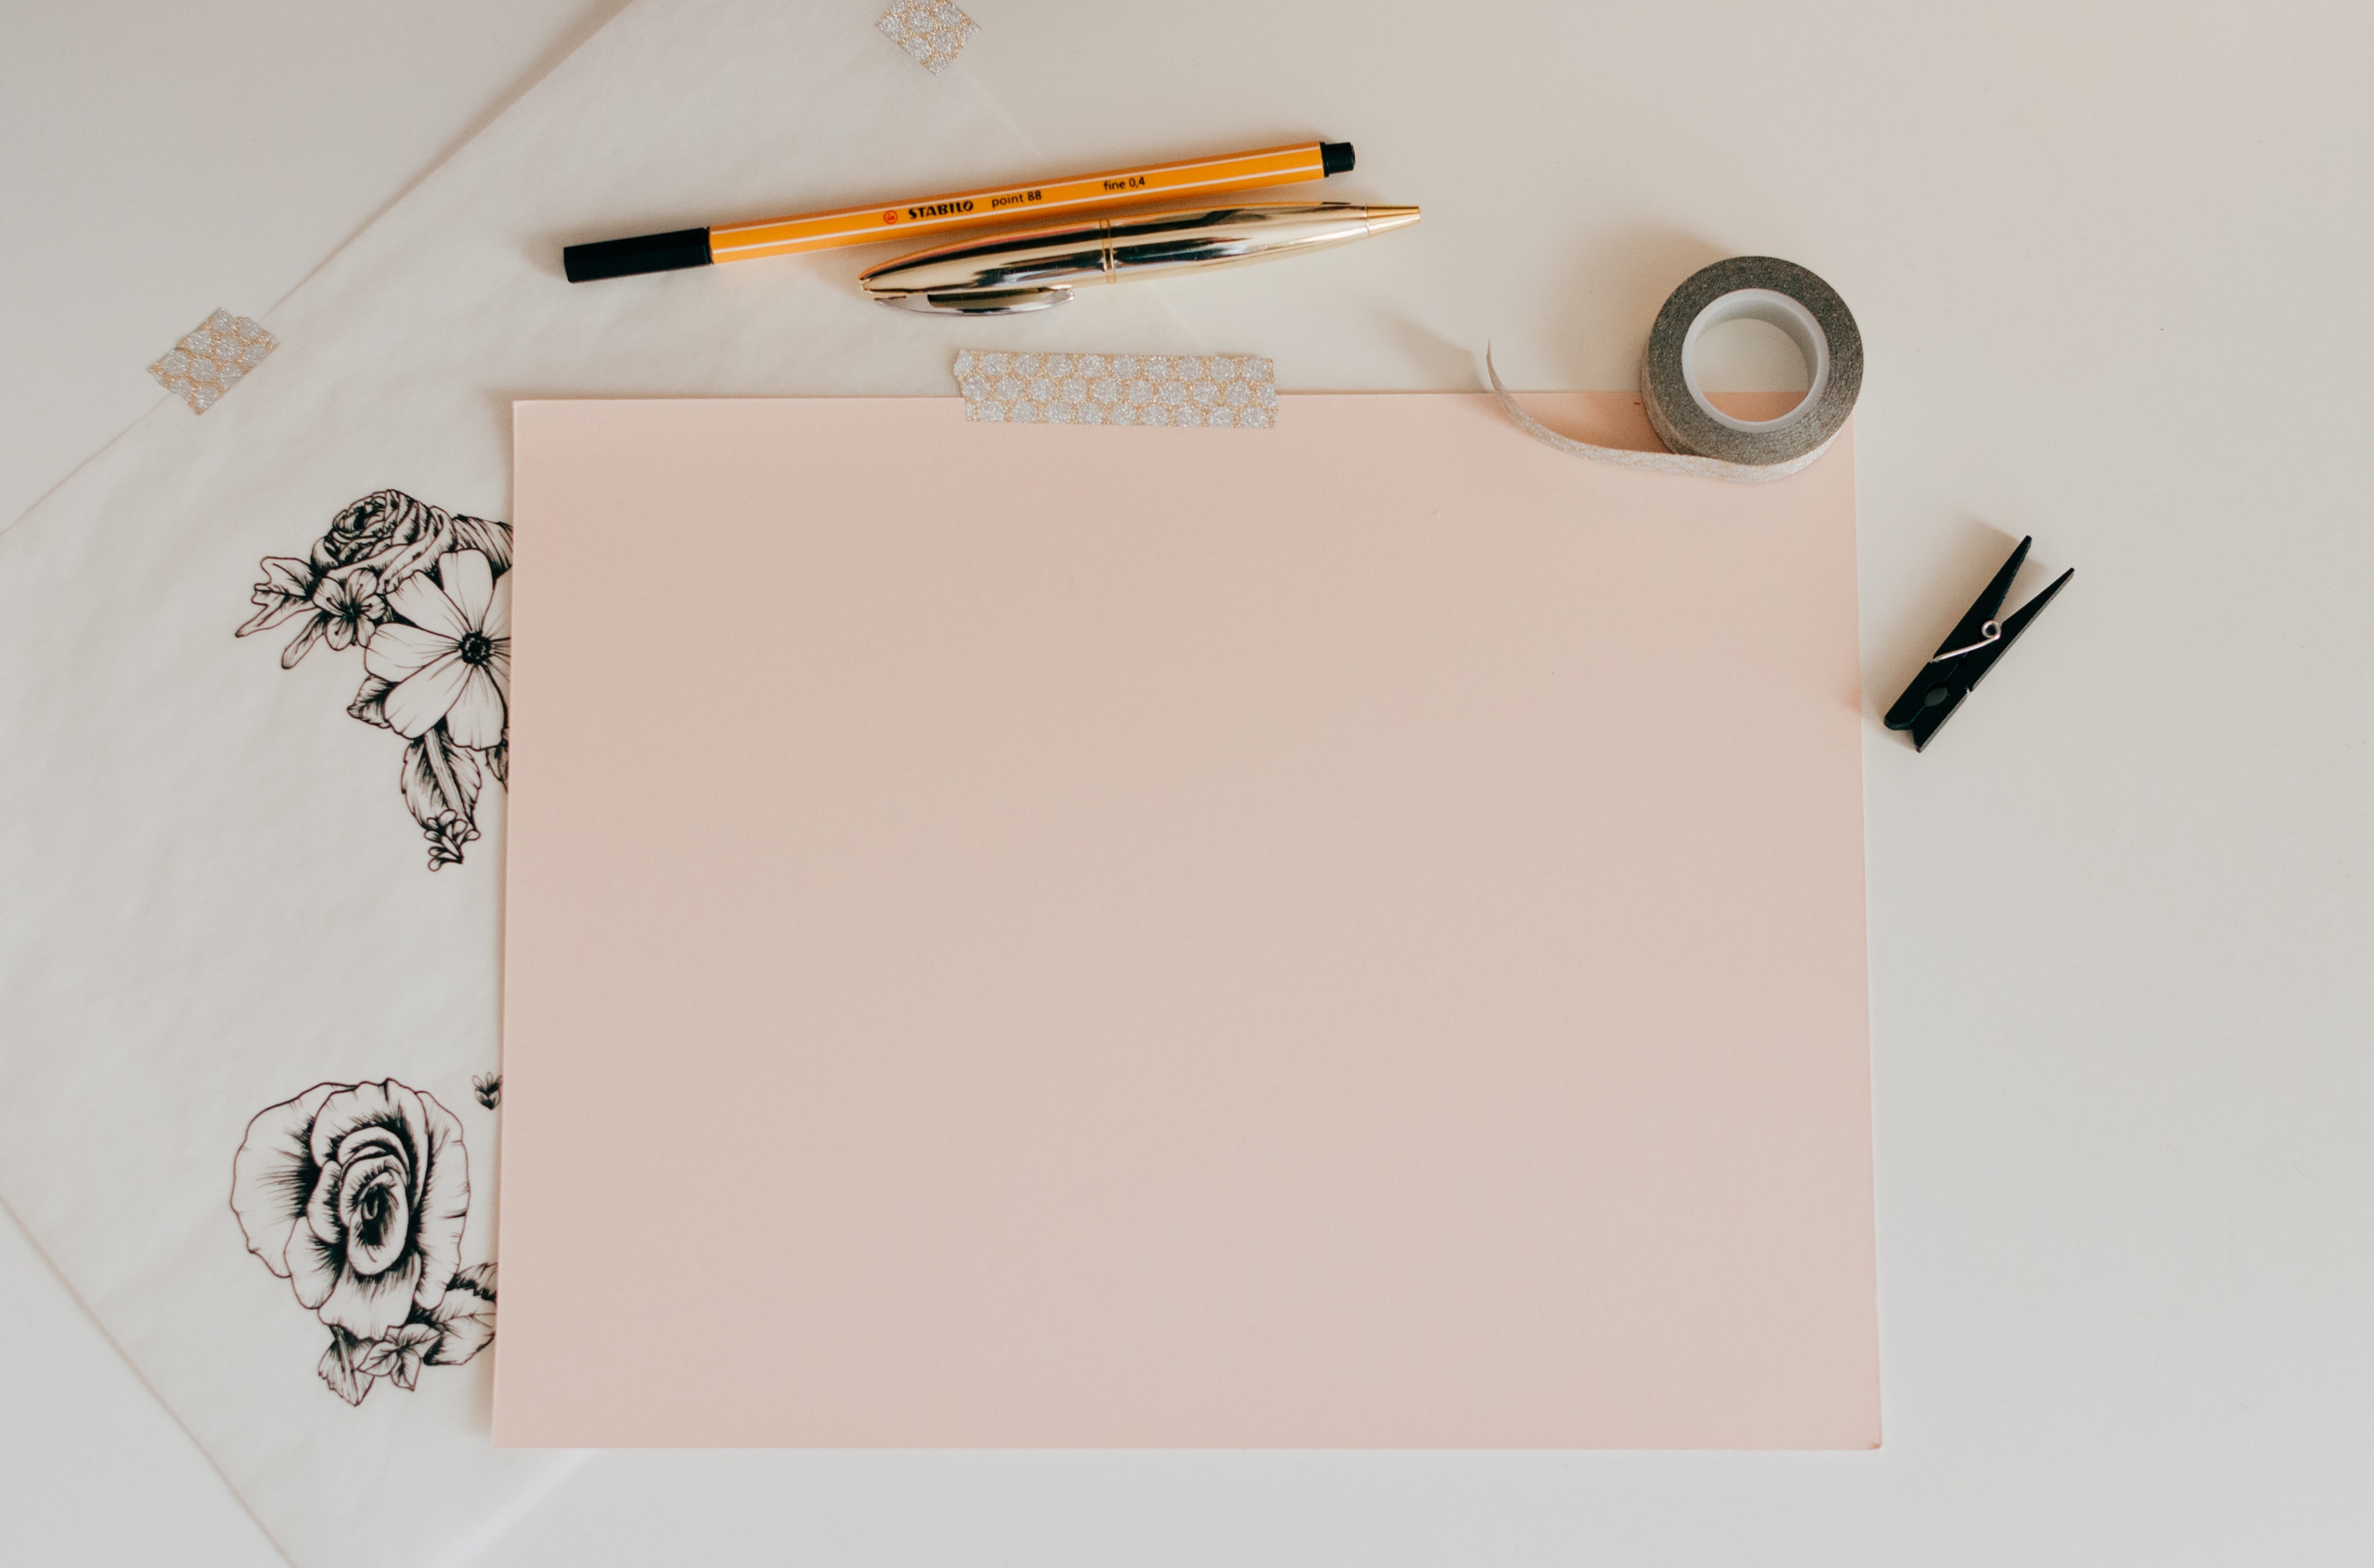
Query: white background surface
2108, 260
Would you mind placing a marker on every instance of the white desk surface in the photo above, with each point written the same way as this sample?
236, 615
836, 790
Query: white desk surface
2110, 259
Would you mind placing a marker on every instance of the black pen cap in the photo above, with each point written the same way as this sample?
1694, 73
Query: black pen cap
644, 253
1335, 158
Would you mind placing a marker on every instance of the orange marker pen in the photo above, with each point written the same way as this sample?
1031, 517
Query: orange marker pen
959, 209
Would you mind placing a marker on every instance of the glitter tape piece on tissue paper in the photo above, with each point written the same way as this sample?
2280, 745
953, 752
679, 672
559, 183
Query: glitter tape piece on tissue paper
934, 31
210, 360
1226, 390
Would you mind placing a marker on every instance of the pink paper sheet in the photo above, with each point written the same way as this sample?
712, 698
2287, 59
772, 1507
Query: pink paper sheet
1344, 936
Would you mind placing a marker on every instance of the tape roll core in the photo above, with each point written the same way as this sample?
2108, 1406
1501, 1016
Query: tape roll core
1773, 309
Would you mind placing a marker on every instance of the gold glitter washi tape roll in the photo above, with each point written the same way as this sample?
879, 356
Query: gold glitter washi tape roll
1703, 440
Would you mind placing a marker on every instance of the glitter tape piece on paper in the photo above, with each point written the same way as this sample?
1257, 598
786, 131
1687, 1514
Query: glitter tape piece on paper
934, 31
209, 361
1226, 390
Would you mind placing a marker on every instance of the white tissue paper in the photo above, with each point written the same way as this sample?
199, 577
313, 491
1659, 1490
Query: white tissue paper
250, 955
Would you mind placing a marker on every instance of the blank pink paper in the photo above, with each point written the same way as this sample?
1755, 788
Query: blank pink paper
1342, 936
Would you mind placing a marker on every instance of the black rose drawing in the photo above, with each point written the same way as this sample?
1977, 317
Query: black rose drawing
426, 594
357, 1195
490, 1087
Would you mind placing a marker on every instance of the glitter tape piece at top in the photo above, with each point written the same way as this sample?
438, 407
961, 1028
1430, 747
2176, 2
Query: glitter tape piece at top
933, 32
211, 358
1228, 390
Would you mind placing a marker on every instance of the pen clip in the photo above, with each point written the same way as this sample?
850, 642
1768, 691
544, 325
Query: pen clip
978, 302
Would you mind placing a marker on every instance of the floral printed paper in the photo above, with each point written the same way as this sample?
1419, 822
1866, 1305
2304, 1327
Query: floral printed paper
217, 894
357, 1194
426, 594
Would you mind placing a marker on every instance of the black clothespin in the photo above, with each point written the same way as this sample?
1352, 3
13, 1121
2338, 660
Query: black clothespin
1969, 652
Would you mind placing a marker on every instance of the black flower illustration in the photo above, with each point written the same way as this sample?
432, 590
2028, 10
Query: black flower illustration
448, 659
389, 529
426, 594
348, 604
340, 607
357, 1194
490, 1086
396, 536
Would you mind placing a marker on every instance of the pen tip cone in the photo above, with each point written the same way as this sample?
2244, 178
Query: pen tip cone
1381, 218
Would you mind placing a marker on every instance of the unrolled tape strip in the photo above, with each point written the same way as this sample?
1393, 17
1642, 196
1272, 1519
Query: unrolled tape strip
1704, 439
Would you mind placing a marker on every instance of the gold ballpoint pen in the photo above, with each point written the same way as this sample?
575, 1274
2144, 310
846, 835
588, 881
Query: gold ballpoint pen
1040, 267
